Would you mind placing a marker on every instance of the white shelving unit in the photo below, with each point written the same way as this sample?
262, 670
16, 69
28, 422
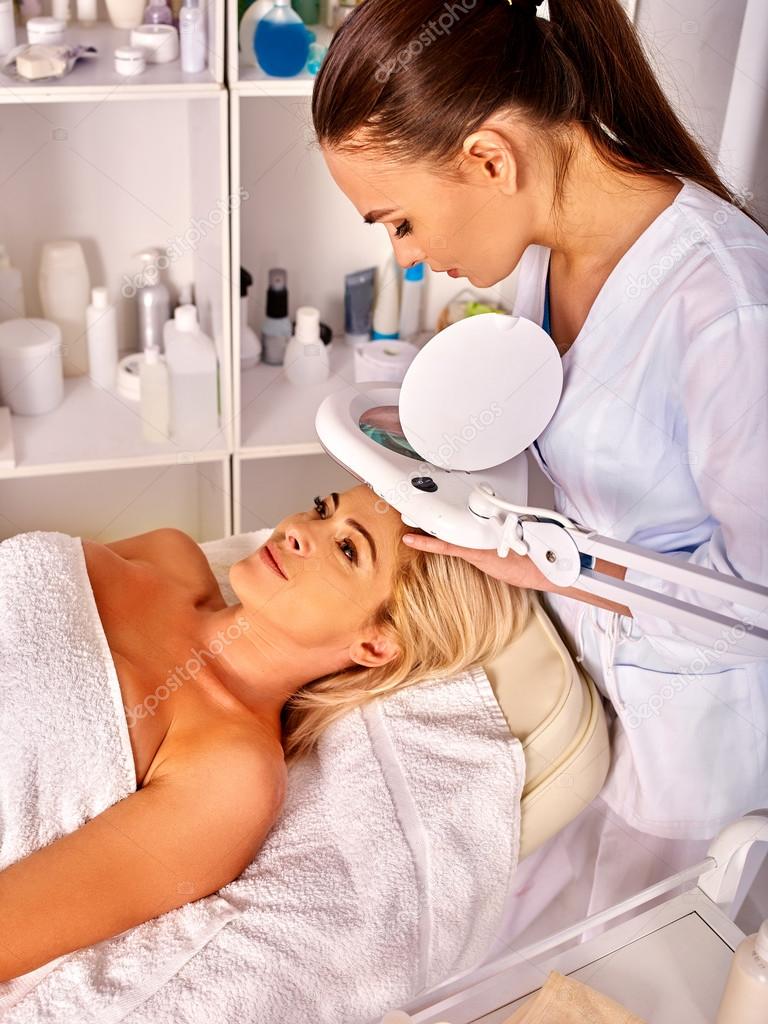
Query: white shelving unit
120, 166
223, 169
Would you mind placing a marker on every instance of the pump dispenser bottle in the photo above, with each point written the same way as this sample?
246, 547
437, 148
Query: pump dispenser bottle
745, 999
276, 327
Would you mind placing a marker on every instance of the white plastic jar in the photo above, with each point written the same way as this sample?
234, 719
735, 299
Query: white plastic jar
31, 372
130, 60
46, 30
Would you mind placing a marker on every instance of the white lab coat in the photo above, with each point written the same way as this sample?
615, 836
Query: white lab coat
661, 439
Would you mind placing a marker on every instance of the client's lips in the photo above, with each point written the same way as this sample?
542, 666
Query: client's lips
269, 558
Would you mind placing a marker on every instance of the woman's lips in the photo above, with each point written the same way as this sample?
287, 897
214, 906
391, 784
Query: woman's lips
453, 272
269, 559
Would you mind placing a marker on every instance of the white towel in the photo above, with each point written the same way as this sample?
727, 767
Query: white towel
387, 871
65, 751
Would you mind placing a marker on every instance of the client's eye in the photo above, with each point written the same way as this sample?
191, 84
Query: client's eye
320, 507
403, 229
349, 550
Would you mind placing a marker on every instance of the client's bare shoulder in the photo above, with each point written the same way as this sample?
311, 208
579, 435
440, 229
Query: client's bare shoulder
173, 553
229, 774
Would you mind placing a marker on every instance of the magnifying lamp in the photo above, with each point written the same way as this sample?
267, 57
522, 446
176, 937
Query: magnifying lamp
447, 450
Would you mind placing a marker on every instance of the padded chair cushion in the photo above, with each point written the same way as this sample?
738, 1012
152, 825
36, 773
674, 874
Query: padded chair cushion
556, 712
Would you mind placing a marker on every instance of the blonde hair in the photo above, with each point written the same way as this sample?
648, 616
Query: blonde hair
446, 616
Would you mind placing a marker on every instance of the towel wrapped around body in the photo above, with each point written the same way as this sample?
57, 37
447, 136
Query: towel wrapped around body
387, 870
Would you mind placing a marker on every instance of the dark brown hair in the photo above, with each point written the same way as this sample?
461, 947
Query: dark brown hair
415, 77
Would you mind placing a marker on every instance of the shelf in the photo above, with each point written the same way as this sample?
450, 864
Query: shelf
96, 78
252, 81
94, 429
278, 418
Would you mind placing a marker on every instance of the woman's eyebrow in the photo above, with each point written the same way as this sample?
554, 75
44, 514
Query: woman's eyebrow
356, 526
373, 216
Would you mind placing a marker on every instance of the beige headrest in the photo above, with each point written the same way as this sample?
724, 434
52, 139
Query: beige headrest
555, 711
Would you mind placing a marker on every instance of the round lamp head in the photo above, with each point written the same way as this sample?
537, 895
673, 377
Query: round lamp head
480, 392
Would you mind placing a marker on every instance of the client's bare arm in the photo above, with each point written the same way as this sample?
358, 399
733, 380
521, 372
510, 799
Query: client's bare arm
195, 827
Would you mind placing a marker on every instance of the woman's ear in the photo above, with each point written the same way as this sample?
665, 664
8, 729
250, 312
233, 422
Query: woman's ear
373, 648
490, 157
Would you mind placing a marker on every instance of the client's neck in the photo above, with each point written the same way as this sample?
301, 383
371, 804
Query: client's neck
259, 667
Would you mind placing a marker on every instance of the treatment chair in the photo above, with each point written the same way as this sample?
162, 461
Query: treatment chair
554, 709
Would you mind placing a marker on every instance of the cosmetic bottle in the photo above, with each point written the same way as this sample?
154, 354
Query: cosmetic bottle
306, 357
65, 291
386, 303
157, 12
307, 10
192, 36
155, 397
276, 326
281, 41
192, 368
101, 336
87, 13
12, 306
358, 305
153, 300
411, 301
251, 16
745, 998
7, 27
250, 346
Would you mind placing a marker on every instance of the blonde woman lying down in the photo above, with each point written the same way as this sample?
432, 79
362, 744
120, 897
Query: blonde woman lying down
333, 611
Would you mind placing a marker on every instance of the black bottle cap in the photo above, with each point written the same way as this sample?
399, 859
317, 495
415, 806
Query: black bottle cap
277, 294
245, 282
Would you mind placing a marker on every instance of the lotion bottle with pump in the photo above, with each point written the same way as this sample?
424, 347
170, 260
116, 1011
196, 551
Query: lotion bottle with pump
745, 999
306, 357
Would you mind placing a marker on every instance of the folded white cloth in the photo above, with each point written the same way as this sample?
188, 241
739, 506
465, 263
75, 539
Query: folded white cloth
387, 871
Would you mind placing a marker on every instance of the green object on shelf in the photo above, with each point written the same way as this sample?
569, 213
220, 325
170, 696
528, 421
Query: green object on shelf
307, 10
473, 308
242, 7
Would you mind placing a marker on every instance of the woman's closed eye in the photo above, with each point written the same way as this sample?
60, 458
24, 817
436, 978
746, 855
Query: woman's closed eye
403, 229
347, 548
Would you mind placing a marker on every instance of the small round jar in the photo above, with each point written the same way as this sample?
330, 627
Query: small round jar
161, 42
45, 30
130, 60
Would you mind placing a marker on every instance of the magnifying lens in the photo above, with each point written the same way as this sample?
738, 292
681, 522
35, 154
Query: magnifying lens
474, 398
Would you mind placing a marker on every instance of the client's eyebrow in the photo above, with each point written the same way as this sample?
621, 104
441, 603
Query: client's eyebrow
356, 526
373, 216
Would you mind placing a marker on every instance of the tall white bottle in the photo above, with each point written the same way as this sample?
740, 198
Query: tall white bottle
745, 999
101, 336
410, 302
191, 359
193, 36
306, 357
65, 291
155, 396
12, 305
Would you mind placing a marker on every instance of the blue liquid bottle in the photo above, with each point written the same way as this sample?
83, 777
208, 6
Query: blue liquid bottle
281, 41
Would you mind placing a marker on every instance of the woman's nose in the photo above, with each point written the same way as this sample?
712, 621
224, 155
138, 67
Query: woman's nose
299, 539
406, 252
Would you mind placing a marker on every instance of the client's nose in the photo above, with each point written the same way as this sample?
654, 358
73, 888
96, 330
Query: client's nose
299, 540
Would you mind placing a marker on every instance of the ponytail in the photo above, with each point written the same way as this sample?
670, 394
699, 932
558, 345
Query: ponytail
410, 79
625, 112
